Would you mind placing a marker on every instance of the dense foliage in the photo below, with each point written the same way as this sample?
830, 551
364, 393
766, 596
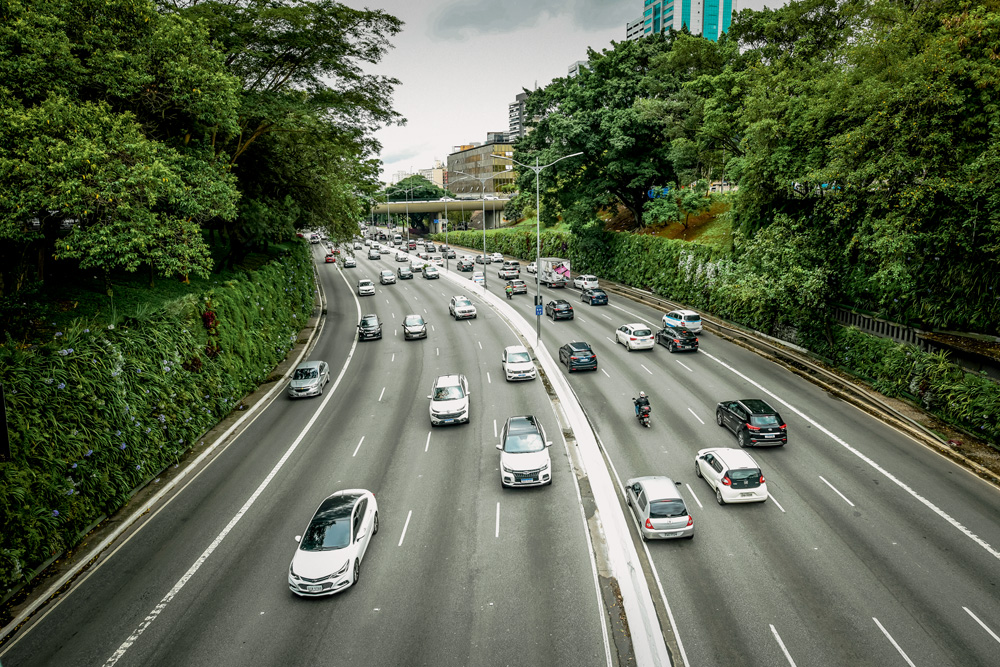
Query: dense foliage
103, 406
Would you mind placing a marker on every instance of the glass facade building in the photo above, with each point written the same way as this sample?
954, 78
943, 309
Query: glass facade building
709, 18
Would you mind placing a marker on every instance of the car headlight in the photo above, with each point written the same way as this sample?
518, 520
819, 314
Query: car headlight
341, 570
506, 469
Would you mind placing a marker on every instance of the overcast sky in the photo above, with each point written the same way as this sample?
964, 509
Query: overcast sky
461, 62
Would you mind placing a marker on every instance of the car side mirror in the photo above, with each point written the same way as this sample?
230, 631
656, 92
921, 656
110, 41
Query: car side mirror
429, 396
499, 446
548, 443
298, 538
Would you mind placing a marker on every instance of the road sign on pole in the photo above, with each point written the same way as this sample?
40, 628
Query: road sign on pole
538, 311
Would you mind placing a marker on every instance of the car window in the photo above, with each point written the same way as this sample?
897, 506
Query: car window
449, 393
692, 318
667, 509
370, 321
518, 357
305, 374
643, 332
463, 302
524, 442
744, 474
763, 420
641, 499
413, 320
327, 533
715, 464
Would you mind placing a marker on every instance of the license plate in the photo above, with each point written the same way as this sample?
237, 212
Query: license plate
747, 495
448, 421
314, 589
768, 435
528, 479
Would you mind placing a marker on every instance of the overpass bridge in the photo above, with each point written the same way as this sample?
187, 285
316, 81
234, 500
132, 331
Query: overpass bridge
440, 207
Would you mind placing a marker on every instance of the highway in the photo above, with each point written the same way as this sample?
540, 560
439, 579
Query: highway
873, 549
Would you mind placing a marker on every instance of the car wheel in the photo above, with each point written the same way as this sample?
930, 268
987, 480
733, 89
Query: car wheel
742, 439
375, 525
321, 389
672, 348
718, 497
697, 469
718, 417
357, 572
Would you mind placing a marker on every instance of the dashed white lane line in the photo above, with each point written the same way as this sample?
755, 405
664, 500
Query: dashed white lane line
605, 372
387, 300
610, 341
582, 320
497, 533
405, 526
480, 344
395, 333
835, 490
359, 446
432, 328
428, 443
771, 496
784, 650
393, 315
893, 641
691, 491
425, 311
437, 351
685, 366
494, 428
393, 357
603, 315
696, 416
469, 322
646, 369
983, 625
488, 380
381, 395
885, 473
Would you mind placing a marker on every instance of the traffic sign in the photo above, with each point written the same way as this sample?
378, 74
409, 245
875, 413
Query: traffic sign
538, 311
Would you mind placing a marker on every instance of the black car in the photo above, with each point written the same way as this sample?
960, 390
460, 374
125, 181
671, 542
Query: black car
753, 421
370, 327
595, 297
578, 356
559, 310
675, 339
465, 265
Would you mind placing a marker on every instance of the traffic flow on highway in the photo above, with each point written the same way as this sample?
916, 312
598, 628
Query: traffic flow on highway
411, 496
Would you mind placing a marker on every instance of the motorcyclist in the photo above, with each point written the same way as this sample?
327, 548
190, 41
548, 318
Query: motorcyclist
510, 290
639, 402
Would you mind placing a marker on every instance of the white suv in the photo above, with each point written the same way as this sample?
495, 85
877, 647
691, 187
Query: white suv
733, 474
585, 282
524, 453
449, 400
683, 319
461, 308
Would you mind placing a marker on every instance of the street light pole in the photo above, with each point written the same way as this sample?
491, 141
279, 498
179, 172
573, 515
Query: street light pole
538, 235
482, 188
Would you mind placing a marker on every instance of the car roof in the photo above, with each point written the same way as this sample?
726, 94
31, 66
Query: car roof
757, 406
637, 325
658, 487
522, 424
339, 505
684, 312
560, 302
515, 348
733, 458
579, 345
364, 280
447, 380
367, 315
309, 364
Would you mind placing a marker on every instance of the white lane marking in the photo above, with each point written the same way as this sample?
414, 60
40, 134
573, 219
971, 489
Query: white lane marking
976, 619
381, 395
393, 357
395, 333
614, 342
387, 300
494, 428
696, 416
836, 491
432, 328
603, 315
497, 533
488, 380
443, 294
428, 443
691, 491
889, 637
359, 446
437, 351
784, 650
682, 364
393, 315
405, 526
582, 320
480, 344
888, 475
636, 318
646, 369
469, 322
605, 372
771, 496
425, 311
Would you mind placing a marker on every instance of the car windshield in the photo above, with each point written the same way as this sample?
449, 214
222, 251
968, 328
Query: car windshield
597, 292
369, 322
463, 302
448, 393
744, 475
413, 321
305, 374
330, 528
518, 358
580, 349
666, 509
523, 443
641, 332
763, 420
365, 283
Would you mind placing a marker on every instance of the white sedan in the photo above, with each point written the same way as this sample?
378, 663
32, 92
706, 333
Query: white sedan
478, 278
585, 282
328, 559
635, 336
402, 257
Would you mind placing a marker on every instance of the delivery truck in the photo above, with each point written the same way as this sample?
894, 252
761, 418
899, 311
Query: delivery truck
553, 271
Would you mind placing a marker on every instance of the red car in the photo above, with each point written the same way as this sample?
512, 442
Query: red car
331, 259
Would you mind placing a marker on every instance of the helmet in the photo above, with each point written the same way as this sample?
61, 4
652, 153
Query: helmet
642, 394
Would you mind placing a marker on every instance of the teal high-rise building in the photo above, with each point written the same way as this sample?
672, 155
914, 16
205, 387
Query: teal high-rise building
709, 18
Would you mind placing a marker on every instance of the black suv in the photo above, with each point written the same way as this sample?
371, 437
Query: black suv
675, 339
578, 356
559, 310
753, 421
370, 327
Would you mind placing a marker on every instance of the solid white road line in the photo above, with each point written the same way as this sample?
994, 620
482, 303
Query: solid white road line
691, 491
605, 372
488, 380
836, 491
682, 364
696, 416
646, 369
428, 443
359, 446
381, 395
893, 641
497, 533
782, 645
983, 625
405, 526
885, 473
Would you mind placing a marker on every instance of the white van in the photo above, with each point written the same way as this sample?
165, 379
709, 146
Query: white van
397, 240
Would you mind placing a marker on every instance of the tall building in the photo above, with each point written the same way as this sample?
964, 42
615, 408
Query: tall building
435, 174
517, 123
633, 29
574, 69
709, 18
479, 160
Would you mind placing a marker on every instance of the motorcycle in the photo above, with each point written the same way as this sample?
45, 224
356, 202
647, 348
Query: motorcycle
642, 414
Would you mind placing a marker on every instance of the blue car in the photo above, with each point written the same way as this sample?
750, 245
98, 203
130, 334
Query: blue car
596, 297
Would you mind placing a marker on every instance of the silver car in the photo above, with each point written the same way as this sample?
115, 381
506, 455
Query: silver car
366, 287
658, 508
387, 277
414, 326
309, 379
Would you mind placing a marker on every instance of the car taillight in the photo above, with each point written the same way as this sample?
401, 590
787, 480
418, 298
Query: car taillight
727, 481
632, 338
696, 340
649, 524
574, 358
782, 426
690, 520
761, 479
753, 428
677, 341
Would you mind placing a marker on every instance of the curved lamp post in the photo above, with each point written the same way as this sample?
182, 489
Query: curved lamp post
538, 236
482, 189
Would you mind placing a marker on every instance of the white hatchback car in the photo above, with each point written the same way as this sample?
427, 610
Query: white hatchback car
328, 559
585, 282
733, 475
497, 257
524, 453
517, 364
658, 508
479, 278
531, 268
449, 400
635, 336
683, 319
